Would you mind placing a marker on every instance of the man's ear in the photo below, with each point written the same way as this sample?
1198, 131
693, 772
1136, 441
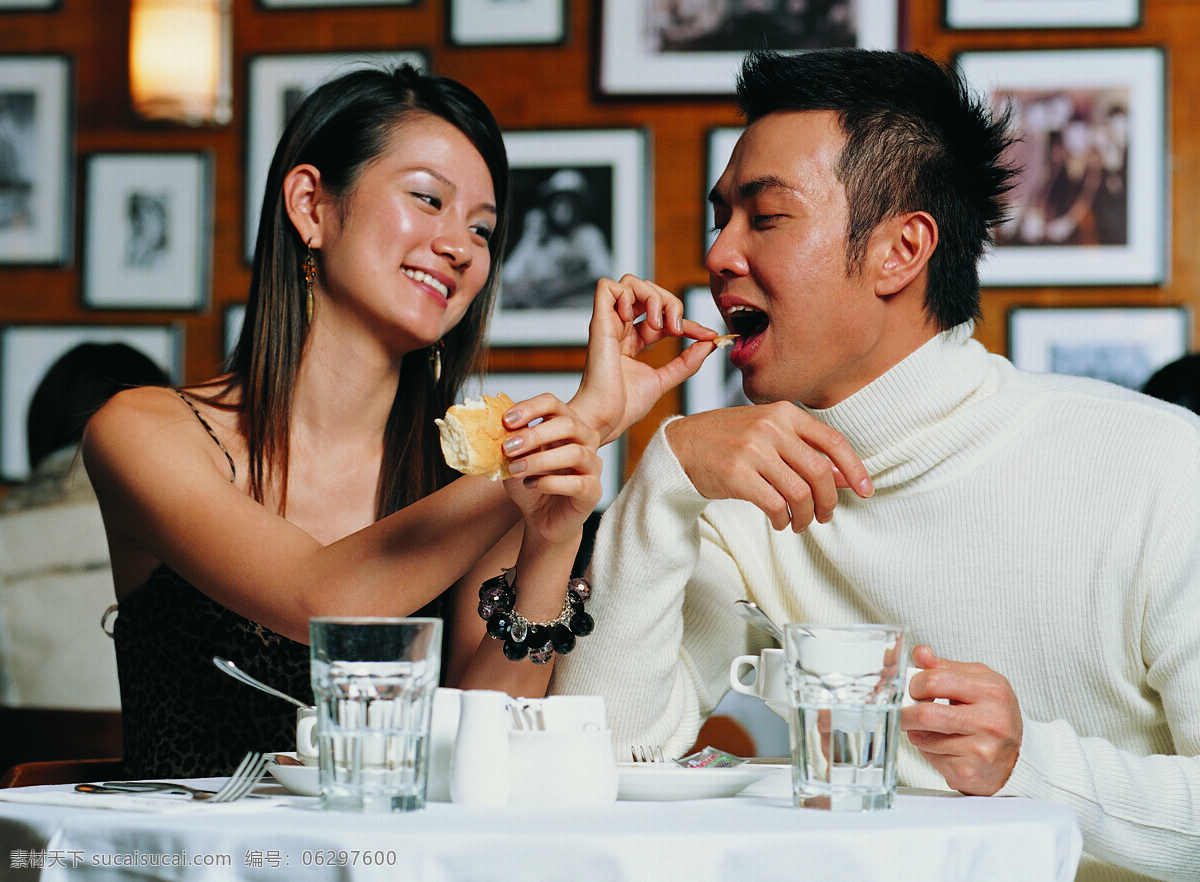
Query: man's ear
302, 200
907, 242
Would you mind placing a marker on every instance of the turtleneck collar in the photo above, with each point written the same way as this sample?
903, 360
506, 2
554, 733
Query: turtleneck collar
900, 424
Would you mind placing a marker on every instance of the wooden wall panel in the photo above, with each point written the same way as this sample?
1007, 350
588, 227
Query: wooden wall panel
531, 88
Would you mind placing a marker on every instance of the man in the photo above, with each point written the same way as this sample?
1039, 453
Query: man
1039, 535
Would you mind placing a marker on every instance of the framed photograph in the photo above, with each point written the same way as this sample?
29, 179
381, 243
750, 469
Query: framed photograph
28, 351
276, 86
148, 230
718, 383
519, 386
1089, 206
998, 14
662, 47
330, 4
36, 180
580, 212
506, 22
1123, 345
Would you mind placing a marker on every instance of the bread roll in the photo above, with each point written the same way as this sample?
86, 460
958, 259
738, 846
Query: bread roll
472, 433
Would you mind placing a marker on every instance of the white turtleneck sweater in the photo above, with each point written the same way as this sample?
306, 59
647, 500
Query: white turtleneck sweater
1046, 526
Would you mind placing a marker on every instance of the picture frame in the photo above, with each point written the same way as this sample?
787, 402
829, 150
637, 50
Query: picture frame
562, 384
1122, 344
148, 230
719, 144
276, 84
1003, 14
36, 167
581, 205
506, 22
647, 47
331, 4
718, 383
1089, 206
28, 351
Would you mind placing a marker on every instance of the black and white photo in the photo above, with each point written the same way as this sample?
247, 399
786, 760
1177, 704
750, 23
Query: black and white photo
35, 159
28, 351
148, 230
580, 205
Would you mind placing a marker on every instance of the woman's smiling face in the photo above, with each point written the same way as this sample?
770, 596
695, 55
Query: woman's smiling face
408, 251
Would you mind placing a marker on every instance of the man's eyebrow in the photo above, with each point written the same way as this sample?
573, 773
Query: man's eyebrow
750, 189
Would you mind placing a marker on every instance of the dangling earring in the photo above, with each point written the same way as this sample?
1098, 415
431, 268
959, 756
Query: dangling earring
435, 360
310, 273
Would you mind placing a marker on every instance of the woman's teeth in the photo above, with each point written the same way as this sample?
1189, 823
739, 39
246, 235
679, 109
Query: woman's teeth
426, 279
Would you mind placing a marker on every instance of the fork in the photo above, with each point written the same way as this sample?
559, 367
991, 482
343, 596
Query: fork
643, 754
248, 773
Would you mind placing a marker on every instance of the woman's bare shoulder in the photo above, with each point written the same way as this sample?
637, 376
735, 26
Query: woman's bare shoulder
147, 424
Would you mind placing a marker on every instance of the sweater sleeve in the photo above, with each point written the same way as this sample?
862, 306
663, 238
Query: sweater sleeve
1140, 812
659, 653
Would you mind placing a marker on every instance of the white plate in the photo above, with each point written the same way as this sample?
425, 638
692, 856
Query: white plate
667, 781
301, 780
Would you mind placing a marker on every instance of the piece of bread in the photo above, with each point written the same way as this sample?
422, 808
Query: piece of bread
472, 433
726, 340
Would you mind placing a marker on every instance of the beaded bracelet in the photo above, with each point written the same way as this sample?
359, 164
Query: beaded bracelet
538, 640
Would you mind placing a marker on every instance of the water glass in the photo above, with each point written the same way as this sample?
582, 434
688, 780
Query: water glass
374, 680
847, 683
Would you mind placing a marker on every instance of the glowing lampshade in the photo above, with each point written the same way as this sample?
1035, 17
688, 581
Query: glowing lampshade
180, 56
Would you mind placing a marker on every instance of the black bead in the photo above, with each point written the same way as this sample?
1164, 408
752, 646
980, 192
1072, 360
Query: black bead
496, 582
498, 624
515, 651
537, 637
486, 610
582, 624
562, 639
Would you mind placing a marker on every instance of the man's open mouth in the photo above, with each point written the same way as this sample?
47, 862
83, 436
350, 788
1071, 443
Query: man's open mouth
746, 321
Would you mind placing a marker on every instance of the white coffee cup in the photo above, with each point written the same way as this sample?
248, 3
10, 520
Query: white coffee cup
561, 768
573, 713
306, 735
770, 678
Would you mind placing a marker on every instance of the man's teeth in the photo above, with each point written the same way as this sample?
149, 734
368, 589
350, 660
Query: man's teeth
425, 278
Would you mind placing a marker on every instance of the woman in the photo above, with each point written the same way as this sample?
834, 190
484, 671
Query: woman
309, 480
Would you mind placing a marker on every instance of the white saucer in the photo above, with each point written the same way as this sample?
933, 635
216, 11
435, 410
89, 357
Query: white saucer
668, 781
301, 780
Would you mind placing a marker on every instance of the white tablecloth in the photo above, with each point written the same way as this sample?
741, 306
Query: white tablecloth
924, 837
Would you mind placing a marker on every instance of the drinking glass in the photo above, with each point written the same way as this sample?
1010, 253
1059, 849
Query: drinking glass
374, 681
846, 683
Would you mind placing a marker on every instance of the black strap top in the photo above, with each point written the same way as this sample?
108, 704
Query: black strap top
182, 717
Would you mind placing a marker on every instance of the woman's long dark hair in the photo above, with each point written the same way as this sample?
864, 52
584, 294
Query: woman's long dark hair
340, 128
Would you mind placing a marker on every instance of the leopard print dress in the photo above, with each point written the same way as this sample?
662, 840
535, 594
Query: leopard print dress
181, 717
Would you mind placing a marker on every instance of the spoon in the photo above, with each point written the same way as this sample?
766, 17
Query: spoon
228, 667
750, 612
